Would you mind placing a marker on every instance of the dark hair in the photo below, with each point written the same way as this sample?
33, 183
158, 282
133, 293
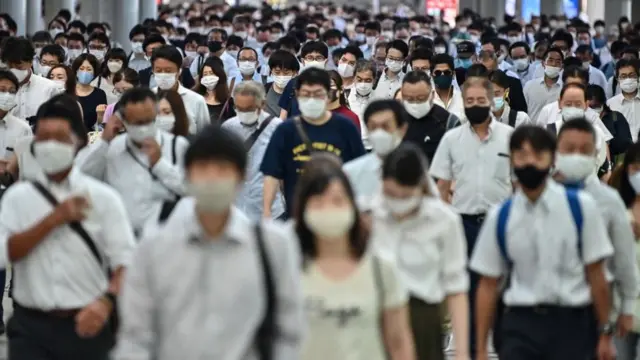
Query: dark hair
407, 165
353, 50
422, 43
420, 54
315, 46
236, 41
626, 63
78, 25
214, 143
442, 59
289, 42
55, 50
562, 35
11, 24
169, 53
596, 92
138, 30
136, 95
539, 138
283, 60
477, 70
576, 71
313, 76
335, 76
584, 49
153, 38
70, 84
102, 37
115, 53
414, 77
129, 75
399, 113
222, 88
85, 57
317, 176
248, 49
571, 61
17, 50
576, 86
626, 191
8, 75
181, 126
555, 50
400, 46
77, 37
521, 44
580, 125
93, 26
41, 37
499, 78
372, 25
64, 107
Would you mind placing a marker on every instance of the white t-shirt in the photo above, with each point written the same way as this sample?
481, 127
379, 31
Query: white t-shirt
344, 316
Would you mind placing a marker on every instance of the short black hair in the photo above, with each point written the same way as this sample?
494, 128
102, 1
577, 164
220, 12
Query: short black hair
153, 38
17, 50
313, 76
353, 50
562, 35
214, 143
372, 25
41, 37
78, 25
55, 50
75, 66
421, 54
8, 75
414, 77
136, 95
580, 124
289, 42
235, 40
102, 37
539, 138
584, 49
167, 52
407, 165
477, 70
284, 60
400, 46
442, 59
77, 37
394, 106
576, 71
626, 63
571, 61
499, 78
138, 30
92, 26
521, 44
248, 49
66, 107
555, 50
315, 46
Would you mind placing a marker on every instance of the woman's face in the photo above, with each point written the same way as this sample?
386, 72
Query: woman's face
207, 70
164, 107
86, 66
122, 86
334, 196
335, 92
594, 103
393, 189
58, 74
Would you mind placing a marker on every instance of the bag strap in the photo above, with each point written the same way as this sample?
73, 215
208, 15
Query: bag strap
303, 135
576, 212
148, 168
225, 107
267, 330
174, 157
513, 116
251, 140
76, 226
501, 229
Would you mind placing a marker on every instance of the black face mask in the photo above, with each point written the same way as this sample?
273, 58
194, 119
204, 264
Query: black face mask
477, 114
530, 177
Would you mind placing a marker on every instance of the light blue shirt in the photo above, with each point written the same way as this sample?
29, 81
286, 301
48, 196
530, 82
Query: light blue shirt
238, 78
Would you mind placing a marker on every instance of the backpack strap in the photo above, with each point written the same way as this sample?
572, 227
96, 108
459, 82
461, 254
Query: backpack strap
501, 229
513, 116
576, 212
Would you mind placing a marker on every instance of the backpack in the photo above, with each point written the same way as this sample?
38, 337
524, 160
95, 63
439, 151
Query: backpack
169, 205
513, 116
503, 217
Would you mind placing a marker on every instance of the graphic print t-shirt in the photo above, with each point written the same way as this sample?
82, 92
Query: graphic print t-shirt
344, 315
286, 154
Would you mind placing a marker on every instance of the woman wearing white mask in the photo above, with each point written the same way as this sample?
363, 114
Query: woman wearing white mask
615, 121
56, 27
360, 96
172, 116
338, 104
64, 77
424, 238
86, 67
122, 81
114, 61
212, 84
355, 305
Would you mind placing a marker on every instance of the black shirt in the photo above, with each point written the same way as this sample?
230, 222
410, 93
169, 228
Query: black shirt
89, 104
429, 130
215, 115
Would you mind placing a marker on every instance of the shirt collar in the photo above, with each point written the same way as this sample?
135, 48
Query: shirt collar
181, 89
545, 199
68, 184
235, 229
634, 98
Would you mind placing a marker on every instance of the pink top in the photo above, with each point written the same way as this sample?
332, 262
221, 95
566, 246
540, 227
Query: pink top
108, 112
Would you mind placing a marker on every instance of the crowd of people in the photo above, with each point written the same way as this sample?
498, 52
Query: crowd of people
321, 182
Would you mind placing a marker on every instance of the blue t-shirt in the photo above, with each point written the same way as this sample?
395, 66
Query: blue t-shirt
286, 153
288, 99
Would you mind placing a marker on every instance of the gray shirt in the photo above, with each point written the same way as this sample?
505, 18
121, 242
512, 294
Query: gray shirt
272, 106
186, 296
537, 95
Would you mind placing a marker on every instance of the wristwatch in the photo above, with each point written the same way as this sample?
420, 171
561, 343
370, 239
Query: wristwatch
111, 297
606, 329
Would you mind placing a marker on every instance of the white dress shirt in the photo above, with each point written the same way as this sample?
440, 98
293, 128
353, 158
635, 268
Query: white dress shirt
386, 87
526, 74
551, 114
229, 62
429, 249
143, 190
547, 266
455, 105
196, 108
61, 272
11, 130
139, 62
358, 104
601, 142
33, 94
538, 95
480, 168
630, 108
521, 117
608, 91
596, 77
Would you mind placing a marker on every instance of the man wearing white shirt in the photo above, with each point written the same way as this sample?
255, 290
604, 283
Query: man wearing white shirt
217, 47
596, 77
542, 91
628, 102
18, 54
247, 65
520, 52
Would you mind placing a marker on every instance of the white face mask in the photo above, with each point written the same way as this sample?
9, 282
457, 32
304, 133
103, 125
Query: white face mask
212, 197
575, 167
53, 156
402, 206
393, 65
364, 89
136, 47
7, 101
371, 40
345, 70
247, 118
383, 142
165, 122
571, 113
139, 133
114, 66
233, 53
315, 64
552, 71
418, 110
282, 81
629, 85
99, 54
440, 49
247, 67
209, 81
44, 70
312, 108
20, 74
329, 224
74, 53
165, 81
634, 180
521, 64
191, 54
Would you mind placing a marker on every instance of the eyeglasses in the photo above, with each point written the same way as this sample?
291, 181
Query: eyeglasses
441, 72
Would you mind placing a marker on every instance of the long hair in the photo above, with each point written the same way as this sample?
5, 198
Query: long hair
70, 83
317, 176
338, 80
222, 89
181, 126
620, 176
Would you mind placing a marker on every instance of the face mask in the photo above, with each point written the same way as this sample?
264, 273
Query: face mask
530, 177
345, 70
521, 64
7, 101
136, 47
599, 29
165, 122
475, 39
312, 108
191, 54
233, 53
275, 36
329, 223
209, 81
74, 53
443, 81
477, 114
418, 110
314, 64
552, 72
371, 40
241, 34
634, 180
44, 70
402, 206
99, 54
360, 37
629, 85
55, 32
54, 156
514, 39
247, 67
114, 66
247, 118
383, 142
84, 77
585, 65
394, 66
571, 113
464, 63
440, 49
498, 103
213, 197
139, 133
61, 83
20, 74
364, 89
282, 81
575, 167
165, 81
